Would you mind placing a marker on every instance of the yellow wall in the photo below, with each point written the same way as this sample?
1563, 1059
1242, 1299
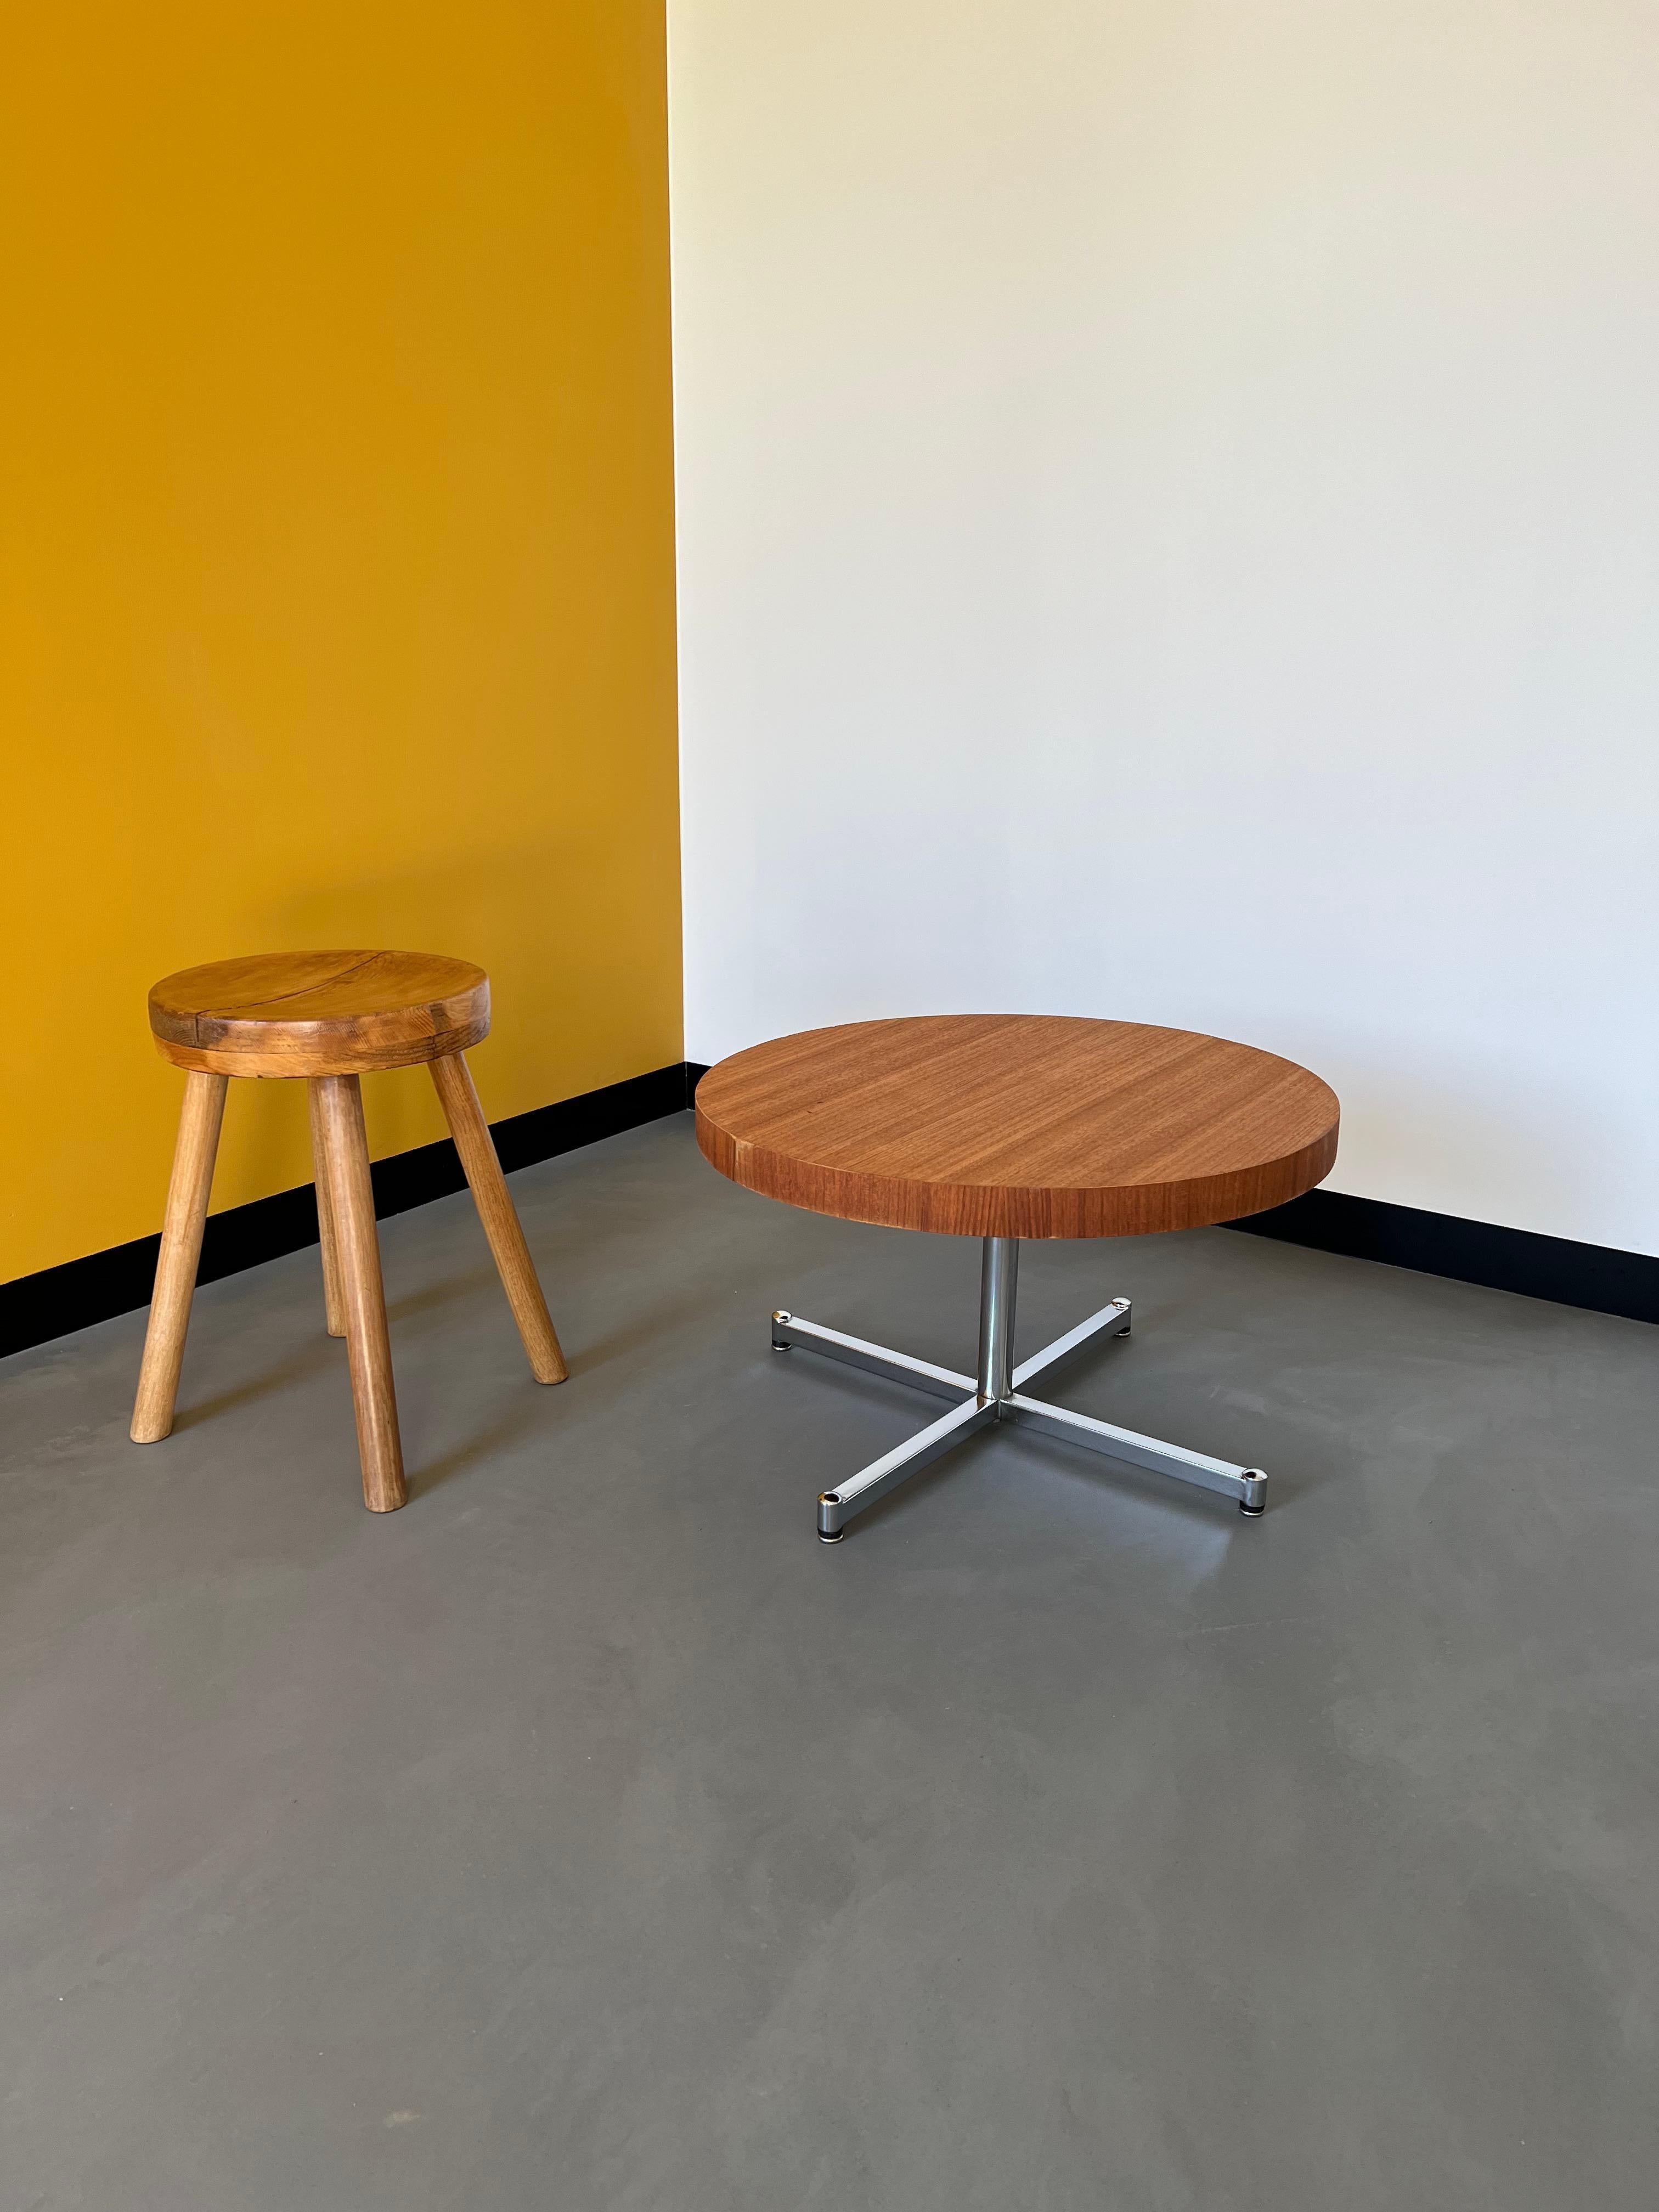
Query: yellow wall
335, 552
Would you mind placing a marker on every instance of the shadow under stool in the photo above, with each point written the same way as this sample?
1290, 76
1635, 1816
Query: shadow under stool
329, 1018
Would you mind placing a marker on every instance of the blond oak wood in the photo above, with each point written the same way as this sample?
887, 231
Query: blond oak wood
467, 1125
333, 1295
1017, 1125
319, 1013
351, 1199
199, 1122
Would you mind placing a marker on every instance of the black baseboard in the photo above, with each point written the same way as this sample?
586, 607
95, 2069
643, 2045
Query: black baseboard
58, 1300
1593, 1276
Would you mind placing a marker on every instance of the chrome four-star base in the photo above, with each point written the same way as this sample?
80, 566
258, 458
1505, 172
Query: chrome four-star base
996, 1393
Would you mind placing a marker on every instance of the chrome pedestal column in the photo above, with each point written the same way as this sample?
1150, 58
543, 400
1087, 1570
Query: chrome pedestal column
997, 1394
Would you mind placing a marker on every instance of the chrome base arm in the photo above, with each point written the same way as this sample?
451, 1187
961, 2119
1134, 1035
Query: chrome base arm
873, 1358
997, 1394
1247, 1483
837, 1507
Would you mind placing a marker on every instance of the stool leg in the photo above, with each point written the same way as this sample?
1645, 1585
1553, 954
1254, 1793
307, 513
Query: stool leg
333, 1295
352, 1202
502, 1225
199, 1118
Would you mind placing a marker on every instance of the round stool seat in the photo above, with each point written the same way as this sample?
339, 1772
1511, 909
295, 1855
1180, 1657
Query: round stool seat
319, 1013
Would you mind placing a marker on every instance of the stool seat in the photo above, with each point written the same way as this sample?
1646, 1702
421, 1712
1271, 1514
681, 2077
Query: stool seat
319, 1013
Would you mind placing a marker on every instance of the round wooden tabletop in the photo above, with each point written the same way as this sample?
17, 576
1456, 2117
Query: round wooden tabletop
1017, 1125
319, 1013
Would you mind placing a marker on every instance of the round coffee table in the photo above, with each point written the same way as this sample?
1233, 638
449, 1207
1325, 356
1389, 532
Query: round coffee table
1004, 1127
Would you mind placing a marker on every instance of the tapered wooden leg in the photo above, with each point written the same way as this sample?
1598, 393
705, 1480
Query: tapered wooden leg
351, 1203
199, 1120
496, 1210
333, 1295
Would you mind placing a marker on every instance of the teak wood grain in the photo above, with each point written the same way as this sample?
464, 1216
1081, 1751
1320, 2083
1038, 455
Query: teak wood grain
200, 1123
1017, 1125
319, 1013
502, 1225
368, 1347
333, 1295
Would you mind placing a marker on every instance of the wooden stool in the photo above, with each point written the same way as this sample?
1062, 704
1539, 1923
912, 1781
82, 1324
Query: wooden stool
329, 1016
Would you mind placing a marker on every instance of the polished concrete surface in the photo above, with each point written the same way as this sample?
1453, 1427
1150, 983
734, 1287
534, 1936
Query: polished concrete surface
588, 1835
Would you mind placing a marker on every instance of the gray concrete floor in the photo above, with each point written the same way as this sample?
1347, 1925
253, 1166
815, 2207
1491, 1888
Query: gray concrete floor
588, 1835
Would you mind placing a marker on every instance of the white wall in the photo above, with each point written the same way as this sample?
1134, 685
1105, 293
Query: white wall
1169, 525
